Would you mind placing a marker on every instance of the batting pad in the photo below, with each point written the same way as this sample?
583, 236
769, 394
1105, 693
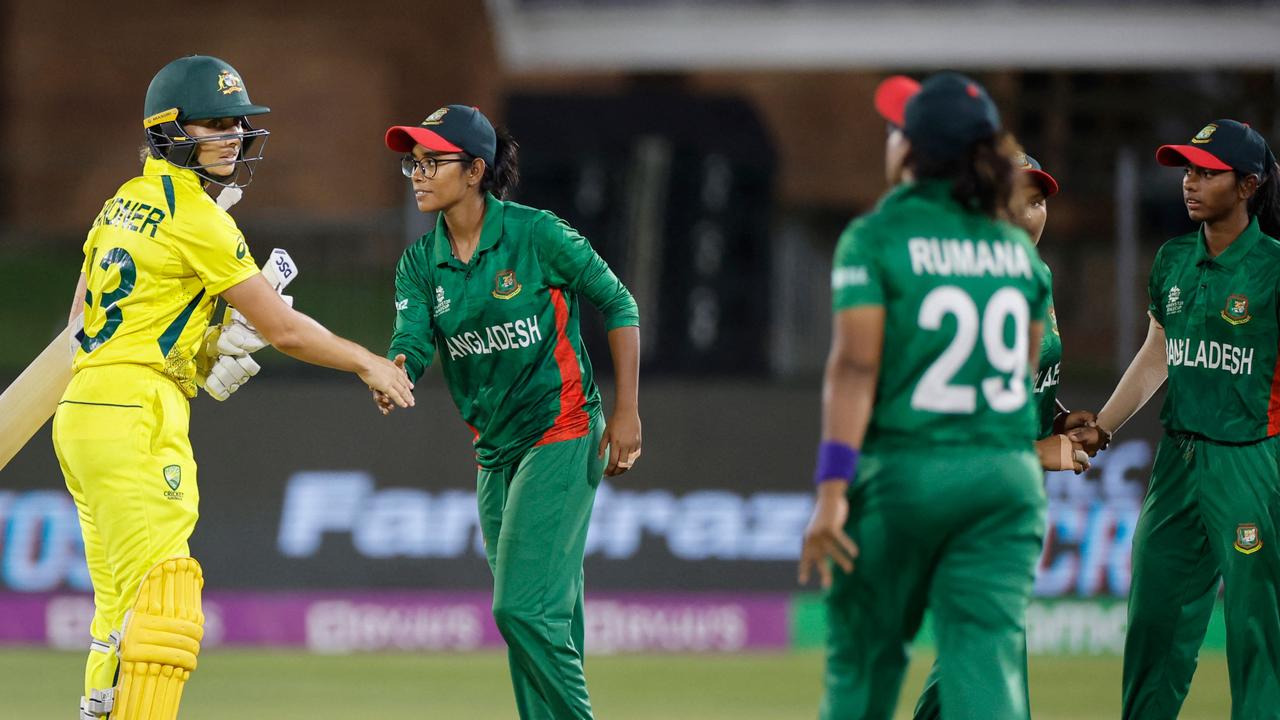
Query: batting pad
161, 641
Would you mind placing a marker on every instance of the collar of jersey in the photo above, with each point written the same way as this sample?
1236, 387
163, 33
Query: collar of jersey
490, 231
1236, 251
154, 167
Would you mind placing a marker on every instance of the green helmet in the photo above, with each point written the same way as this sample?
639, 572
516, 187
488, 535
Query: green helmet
200, 87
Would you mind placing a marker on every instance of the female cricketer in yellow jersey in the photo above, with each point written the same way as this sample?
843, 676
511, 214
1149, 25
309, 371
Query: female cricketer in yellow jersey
158, 255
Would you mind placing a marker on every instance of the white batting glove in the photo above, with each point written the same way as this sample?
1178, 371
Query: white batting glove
237, 338
228, 373
240, 337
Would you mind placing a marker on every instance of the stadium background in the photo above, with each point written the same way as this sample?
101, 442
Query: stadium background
712, 151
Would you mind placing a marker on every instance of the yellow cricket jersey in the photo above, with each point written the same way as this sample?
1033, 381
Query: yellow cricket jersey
157, 256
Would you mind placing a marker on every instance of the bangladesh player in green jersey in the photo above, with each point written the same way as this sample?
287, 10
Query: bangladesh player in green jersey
927, 478
1213, 504
1030, 211
495, 289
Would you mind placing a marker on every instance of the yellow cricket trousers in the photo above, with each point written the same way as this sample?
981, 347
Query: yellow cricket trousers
120, 434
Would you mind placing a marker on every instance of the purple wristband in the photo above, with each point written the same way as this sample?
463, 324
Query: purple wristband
836, 461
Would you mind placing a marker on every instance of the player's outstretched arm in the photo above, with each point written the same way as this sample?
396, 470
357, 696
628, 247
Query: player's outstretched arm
298, 336
1056, 452
1145, 375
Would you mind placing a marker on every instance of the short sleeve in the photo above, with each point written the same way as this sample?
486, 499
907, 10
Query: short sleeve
414, 332
856, 275
214, 247
1155, 287
1042, 300
87, 249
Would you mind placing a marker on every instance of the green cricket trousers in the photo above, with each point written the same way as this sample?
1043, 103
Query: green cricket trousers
953, 529
534, 515
1211, 511
929, 706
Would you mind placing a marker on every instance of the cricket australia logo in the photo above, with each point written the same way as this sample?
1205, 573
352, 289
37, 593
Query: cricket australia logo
1237, 310
173, 478
442, 303
505, 285
1247, 540
1174, 306
228, 83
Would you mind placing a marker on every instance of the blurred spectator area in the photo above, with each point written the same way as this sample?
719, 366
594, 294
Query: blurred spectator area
715, 179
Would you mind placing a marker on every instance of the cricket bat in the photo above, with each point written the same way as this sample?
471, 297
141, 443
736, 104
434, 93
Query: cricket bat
30, 401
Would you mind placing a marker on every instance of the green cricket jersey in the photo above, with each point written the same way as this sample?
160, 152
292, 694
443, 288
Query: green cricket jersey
506, 326
960, 292
1045, 385
1221, 334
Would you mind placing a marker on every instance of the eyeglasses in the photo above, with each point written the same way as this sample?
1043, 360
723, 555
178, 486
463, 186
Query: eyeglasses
429, 165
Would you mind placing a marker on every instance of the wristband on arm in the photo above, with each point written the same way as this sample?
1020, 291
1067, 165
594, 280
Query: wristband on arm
836, 461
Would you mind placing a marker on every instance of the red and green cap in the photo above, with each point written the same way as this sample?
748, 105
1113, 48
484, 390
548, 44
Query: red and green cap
1221, 145
452, 128
942, 116
1031, 167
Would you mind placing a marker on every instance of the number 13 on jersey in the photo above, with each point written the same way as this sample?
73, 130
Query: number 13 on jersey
107, 301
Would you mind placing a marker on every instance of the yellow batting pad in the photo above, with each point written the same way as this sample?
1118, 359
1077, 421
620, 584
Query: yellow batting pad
161, 640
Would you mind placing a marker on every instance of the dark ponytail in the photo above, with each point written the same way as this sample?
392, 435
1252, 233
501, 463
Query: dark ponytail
503, 177
1265, 203
981, 179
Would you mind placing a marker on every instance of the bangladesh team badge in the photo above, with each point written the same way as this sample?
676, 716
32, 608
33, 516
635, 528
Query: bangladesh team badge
1205, 134
505, 285
436, 117
1237, 310
1247, 540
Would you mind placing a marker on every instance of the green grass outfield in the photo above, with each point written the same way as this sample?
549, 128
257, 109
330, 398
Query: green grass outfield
261, 685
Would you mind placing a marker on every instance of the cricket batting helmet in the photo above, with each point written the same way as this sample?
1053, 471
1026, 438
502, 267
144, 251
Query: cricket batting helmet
200, 87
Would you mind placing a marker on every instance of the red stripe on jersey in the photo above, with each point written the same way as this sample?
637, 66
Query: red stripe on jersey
475, 439
572, 422
1273, 407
